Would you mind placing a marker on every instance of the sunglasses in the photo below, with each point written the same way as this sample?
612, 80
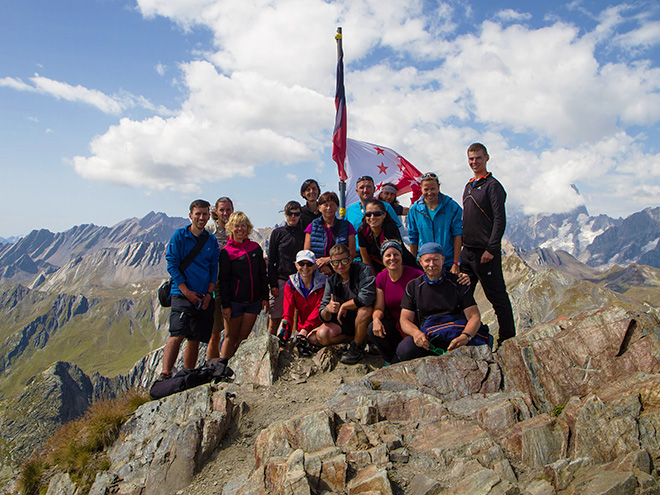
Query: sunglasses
364, 177
429, 175
374, 214
294, 213
305, 263
343, 262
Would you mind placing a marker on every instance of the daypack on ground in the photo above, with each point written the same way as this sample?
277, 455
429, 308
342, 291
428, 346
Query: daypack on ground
185, 379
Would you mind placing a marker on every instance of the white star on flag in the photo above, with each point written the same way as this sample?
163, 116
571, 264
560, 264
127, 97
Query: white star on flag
383, 165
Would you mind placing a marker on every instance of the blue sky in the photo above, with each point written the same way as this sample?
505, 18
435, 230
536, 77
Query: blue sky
110, 109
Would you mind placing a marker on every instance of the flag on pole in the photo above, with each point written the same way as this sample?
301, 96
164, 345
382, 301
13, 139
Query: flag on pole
383, 164
339, 133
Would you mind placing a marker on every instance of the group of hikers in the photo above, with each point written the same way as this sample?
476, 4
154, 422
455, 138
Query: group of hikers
348, 280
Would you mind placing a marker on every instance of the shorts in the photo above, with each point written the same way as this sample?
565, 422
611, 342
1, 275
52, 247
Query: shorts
277, 303
239, 309
189, 322
347, 323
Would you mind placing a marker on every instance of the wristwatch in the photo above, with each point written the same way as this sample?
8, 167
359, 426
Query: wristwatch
467, 335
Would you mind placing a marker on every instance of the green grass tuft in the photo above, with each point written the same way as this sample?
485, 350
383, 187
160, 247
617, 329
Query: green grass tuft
557, 410
29, 481
78, 447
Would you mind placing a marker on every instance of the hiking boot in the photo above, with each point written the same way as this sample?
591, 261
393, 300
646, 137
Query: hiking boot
354, 354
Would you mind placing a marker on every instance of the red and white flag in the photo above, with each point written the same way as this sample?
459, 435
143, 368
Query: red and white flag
383, 165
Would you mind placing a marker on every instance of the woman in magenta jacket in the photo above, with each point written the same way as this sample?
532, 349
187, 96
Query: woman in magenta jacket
243, 282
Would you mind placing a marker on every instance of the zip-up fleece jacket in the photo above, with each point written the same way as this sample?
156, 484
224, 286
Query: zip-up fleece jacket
446, 224
285, 242
242, 273
308, 307
361, 281
484, 215
204, 268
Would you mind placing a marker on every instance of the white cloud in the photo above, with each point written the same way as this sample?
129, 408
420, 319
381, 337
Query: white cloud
80, 94
161, 69
645, 36
510, 15
263, 95
15, 83
227, 127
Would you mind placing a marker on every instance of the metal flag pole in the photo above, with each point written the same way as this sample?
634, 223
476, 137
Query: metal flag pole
340, 81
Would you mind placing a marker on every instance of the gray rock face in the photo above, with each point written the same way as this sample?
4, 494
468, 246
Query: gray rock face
597, 241
166, 442
573, 357
571, 232
520, 422
450, 413
60, 394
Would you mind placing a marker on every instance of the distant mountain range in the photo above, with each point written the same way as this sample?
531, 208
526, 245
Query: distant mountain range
599, 242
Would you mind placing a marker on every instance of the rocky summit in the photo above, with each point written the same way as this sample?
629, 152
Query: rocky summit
566, 407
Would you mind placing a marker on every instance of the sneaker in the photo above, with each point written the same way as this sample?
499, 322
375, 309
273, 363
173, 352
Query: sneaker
354, 354
372, 350
165, 376
304, 347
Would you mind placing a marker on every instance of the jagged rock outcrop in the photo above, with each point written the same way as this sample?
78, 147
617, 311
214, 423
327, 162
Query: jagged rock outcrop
58, 395
576, 356
166, 442
522, 422
64, 392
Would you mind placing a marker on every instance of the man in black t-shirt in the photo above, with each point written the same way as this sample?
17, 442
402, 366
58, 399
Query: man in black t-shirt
437, 293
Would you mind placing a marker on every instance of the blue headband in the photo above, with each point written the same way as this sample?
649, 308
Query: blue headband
430, 248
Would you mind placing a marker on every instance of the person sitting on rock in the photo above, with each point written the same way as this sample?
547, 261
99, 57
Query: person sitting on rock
347, 303
303, 292
437, 313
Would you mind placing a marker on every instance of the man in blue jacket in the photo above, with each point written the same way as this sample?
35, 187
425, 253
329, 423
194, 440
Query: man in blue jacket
437, 218
192, 290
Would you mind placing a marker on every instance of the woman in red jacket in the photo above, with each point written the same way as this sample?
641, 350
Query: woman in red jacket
304, 291
243, 282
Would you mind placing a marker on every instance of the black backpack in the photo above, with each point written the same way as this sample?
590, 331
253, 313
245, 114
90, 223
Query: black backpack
216, 371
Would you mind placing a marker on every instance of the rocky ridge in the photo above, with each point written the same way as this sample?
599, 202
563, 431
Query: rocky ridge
567, 407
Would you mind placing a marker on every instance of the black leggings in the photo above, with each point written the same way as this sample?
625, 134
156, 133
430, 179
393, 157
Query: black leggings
386, 345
